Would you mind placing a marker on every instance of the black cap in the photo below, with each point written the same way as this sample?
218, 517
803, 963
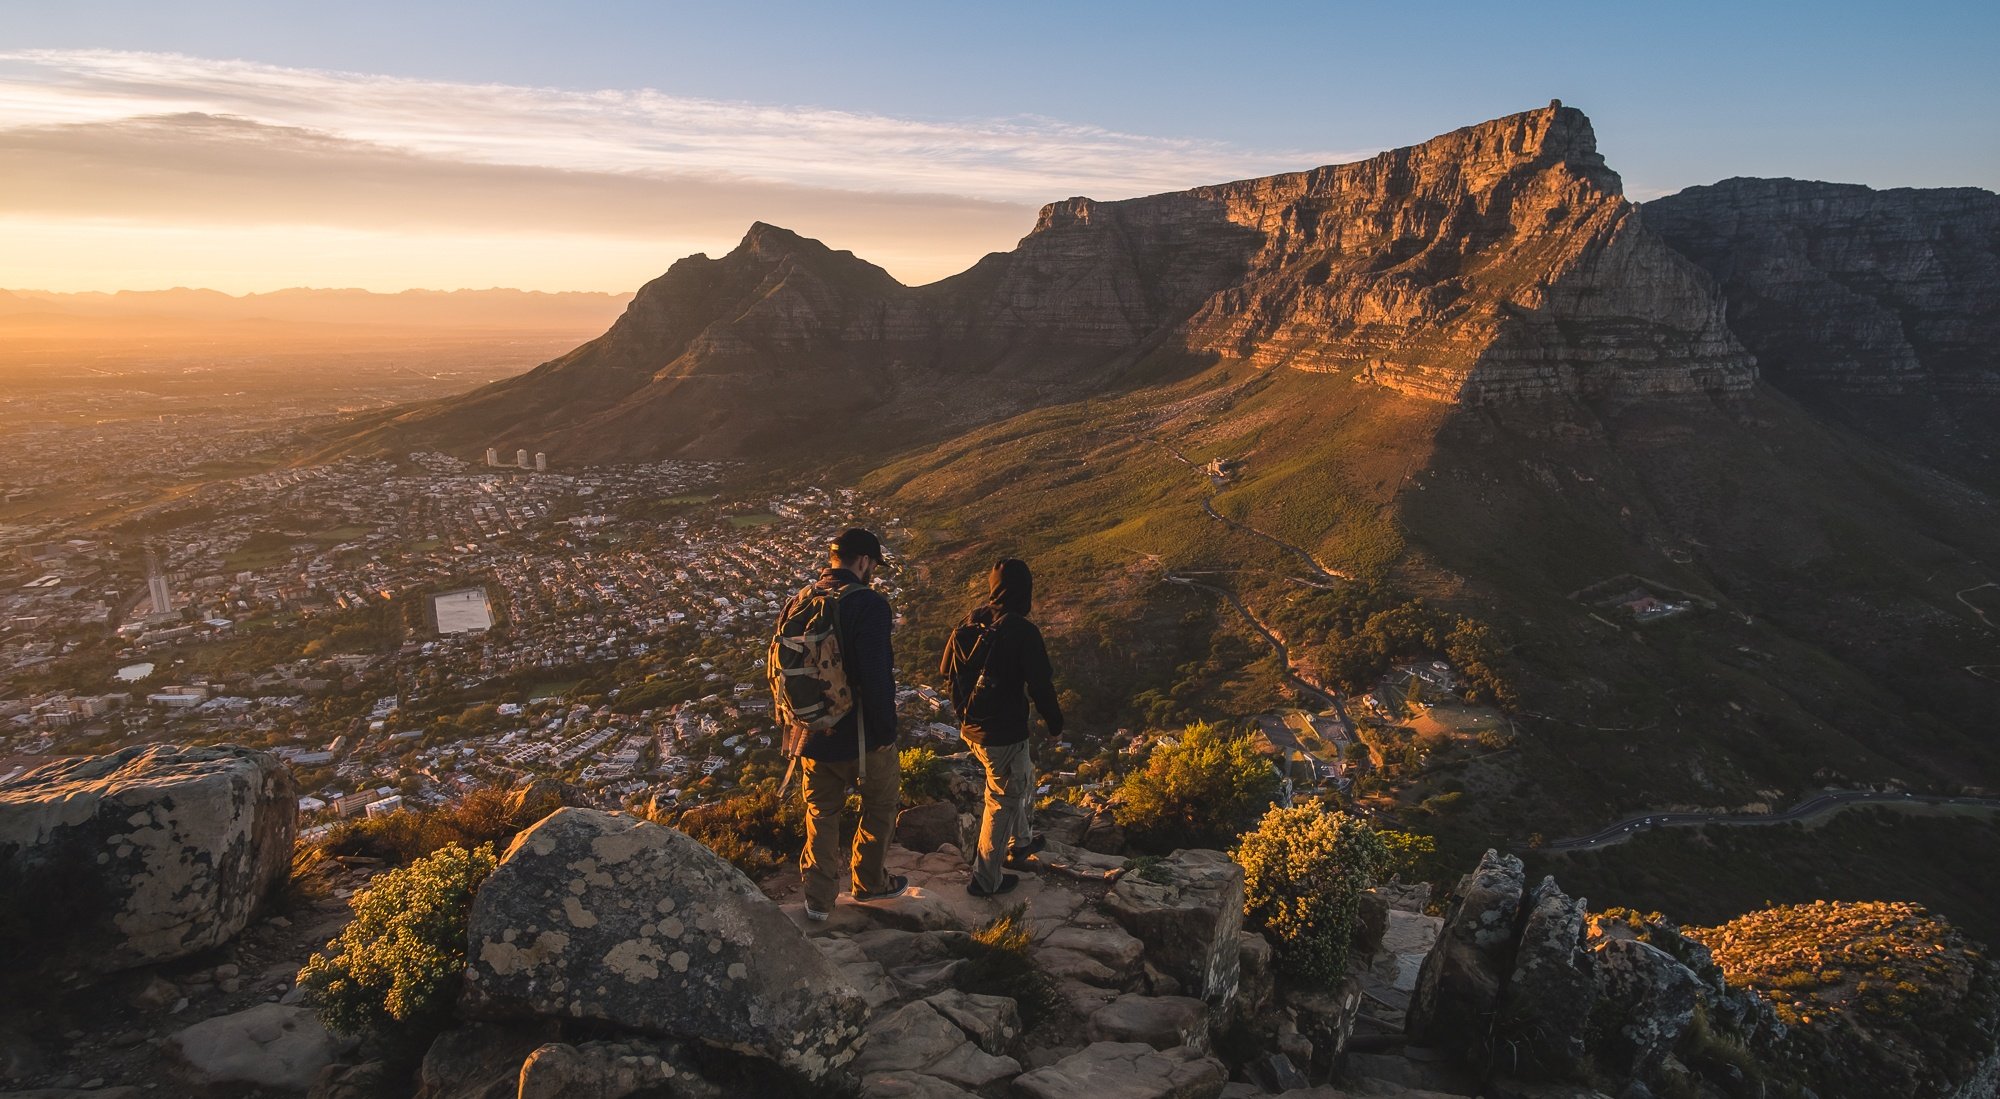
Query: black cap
857, 542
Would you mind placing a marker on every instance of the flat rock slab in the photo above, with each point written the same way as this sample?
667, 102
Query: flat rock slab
910, 1085
920, 1039
1410, 932
1125, 1070
992, 1022
1163, 1022
269, 1045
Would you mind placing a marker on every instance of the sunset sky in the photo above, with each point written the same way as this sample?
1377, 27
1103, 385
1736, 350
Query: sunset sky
252, 146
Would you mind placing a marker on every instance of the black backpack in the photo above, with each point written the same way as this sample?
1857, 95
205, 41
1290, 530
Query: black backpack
966, 655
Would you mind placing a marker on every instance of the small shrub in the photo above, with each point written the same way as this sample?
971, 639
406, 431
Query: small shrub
757, 832
998, 964
394, 971
1200, 792
1409, 854
1303, 872
406, 835
924, 775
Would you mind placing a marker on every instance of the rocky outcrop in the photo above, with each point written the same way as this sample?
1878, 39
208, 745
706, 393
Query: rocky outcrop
1547, 1000
1188, 918
1495, 264
1458, 989
162, 851
1647, 1000
594, 915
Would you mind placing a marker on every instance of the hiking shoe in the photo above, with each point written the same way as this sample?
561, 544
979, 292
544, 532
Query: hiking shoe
814, 914
898, 885
1007, 884
1017, 857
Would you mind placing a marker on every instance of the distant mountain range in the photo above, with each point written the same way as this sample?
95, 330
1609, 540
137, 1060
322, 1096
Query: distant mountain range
483, 310
1470, 369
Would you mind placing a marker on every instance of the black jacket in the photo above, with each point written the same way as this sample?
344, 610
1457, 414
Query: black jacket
870, 660
1018, 671
1016, 665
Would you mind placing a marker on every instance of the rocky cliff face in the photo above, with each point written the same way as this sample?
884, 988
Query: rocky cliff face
1880, 306
1494, 264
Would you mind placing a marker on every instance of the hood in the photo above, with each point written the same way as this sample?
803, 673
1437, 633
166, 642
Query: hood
1012, 587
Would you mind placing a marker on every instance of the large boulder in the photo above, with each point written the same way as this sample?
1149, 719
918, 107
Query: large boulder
157, 851
1459, 986
1546, 1005
1187, 910
600, 916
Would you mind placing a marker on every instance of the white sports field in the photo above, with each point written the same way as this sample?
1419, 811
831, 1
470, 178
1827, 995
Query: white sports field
463, 611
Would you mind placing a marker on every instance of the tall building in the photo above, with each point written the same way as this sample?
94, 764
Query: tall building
521, 458
156, 584
492, 456
541, 462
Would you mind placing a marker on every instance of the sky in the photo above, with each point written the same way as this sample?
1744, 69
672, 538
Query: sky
250, 146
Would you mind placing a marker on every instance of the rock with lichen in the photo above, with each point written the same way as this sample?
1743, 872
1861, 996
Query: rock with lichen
149, 854
604, 917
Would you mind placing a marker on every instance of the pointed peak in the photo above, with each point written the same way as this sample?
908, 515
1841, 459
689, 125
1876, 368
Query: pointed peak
765, 239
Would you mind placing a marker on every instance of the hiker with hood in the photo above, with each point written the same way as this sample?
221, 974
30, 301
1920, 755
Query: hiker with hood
833, 758
995, 664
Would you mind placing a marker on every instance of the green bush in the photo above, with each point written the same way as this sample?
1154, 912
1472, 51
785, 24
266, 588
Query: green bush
924, 775
1303, 873
394, 971
1200, 792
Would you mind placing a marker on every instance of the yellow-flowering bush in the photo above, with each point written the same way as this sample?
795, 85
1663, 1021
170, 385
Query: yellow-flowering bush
394, 970
1200, 791
1304, 870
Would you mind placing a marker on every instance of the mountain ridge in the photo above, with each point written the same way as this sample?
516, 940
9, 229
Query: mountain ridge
1498, 263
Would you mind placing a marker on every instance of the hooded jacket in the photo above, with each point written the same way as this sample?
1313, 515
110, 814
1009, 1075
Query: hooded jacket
1016, 664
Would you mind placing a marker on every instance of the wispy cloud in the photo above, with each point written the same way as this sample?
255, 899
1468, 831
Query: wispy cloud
126, 170
1023, 160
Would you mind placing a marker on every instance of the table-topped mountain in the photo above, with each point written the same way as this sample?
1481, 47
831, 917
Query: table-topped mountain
1498, 263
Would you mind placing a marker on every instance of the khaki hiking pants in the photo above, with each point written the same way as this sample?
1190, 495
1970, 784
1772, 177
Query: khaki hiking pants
826, 785
1010, 783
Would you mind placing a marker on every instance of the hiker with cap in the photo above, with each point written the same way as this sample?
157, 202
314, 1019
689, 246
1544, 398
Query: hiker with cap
995, 663
834, 759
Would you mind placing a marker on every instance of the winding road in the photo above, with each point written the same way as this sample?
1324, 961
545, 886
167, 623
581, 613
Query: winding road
1826, 801
1277, 643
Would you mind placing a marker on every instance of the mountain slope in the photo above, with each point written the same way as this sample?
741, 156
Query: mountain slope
1880, 308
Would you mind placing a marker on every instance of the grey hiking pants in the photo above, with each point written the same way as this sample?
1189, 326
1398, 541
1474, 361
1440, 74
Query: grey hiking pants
1010, 784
